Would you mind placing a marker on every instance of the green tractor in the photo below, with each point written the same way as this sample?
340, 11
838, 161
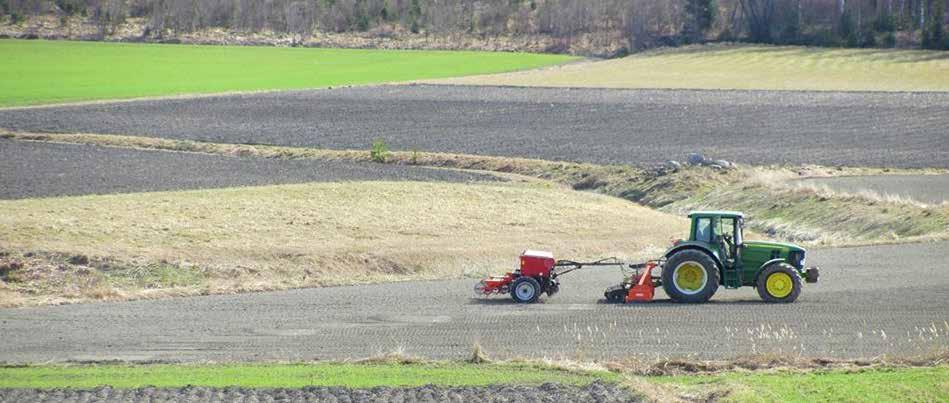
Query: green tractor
716, 255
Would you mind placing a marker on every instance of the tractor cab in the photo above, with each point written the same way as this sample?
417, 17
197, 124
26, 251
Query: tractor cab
719, 231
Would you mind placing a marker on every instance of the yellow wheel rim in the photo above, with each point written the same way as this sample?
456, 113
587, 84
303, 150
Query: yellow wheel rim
690, 277
779, 285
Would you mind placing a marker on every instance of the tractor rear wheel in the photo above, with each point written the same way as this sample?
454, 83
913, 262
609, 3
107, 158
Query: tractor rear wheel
779, 283
525, 290
690, 276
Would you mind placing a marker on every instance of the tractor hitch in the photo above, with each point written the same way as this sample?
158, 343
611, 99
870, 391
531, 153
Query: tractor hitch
811, 274
638, 286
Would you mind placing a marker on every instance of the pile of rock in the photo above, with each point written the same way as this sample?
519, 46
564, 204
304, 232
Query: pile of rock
696, 160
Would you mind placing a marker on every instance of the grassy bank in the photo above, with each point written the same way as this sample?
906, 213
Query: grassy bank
778, 205
42, 72
152, 245
868, 384
145, 245
748, 68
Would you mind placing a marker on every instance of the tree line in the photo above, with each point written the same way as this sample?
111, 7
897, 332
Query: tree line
641, 23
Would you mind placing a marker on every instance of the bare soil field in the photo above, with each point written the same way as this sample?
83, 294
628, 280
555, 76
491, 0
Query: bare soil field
32, 169
596, 392
639, 127
861, 308
930, 189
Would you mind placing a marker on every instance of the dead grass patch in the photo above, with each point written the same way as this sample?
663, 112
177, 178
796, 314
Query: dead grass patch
151, 245
769, 362
775, 206
280, 237
742, 67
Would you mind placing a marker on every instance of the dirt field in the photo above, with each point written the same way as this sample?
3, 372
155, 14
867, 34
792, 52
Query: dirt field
639, 127
48, 170
860, 309
598, 392
931, 189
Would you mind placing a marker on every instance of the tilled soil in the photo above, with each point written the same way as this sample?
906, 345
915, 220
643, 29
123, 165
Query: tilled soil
933, 189
30, 169
639, 127
596, 392
871, 301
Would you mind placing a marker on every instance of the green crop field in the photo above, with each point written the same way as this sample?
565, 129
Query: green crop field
42, 72
871, 385
291, 375
884, 384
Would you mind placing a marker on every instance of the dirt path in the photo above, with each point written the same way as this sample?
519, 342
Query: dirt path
595, 125
871, 301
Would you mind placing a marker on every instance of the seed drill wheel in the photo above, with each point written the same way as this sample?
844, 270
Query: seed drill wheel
690, 276
479, 289
779, 283
525, 290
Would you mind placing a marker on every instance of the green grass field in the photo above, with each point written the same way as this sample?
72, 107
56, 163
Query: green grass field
42, 72
746, 67
887, 384
291, 375
881, 385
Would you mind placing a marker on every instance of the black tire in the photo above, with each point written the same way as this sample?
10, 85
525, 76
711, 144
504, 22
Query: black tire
705, 290
795, 283
523, 296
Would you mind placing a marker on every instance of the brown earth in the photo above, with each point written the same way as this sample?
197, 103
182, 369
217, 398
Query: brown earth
549, 392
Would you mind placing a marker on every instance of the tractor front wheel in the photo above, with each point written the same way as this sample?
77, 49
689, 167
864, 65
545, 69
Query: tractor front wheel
525, 290
779, 283
690, 276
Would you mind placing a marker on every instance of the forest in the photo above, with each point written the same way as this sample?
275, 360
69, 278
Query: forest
641, 24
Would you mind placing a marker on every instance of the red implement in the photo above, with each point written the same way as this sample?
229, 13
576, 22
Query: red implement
538, 273
643, 289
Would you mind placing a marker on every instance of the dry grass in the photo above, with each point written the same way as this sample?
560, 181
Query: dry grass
779, 208
278, 237
775, 207
724, 66
769, 363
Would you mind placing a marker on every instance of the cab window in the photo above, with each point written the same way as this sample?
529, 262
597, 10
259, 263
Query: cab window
726, 227
703, 230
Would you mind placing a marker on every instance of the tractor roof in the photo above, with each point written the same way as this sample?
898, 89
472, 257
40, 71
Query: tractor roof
730, 214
